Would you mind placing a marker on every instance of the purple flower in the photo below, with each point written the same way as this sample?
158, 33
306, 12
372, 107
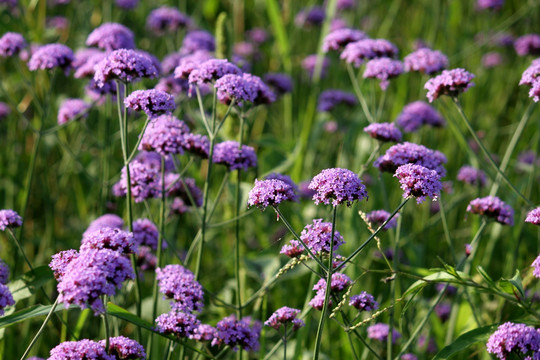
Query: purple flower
212, 70
331, 98
281, 83
124, 65
409, 356
60, 261
426, 61
493, 207
178, 206
121, 347
386, 132
531, 77
171, 61
127, 4
58, 23
383, 69
410, 153
72, 109
48, 57
450, 82
11, 43
472, 176
257, 35
153, 102
164, 135
380, 331
9, 219
489, 4
196, 144
270, 193
5, 110
235, 333
338, 39
108, 220
309, 63
85, 67
230, 154
356, 53
339, 283
364, 302
492, 59
6, 299
292, 249
378, 217
318, 237
144, 181
145, 259
443, 311
339, 185
235, 87
284, 316
318, 300
313, 16
176, 186
285, 178
186, 64
4, 273
536, 267
514, 338
419, 182
166, 19
177, 323
417, 114
178, 284
79, 350
111, 36
533, 216
263, 94
198, 40
153, 160
109, 238
175, 87
527, 45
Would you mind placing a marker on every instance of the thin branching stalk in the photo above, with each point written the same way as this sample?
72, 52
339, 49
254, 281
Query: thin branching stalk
359, 95
237, 225
40, 331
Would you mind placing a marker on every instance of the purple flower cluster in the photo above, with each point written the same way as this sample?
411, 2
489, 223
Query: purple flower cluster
310, 62
533, 216
338, 39
230, 154
378, 217
71, 109
285, 178
122, 347
419, 182
4, 273
11, 43
153, 102
263, 93
111, 36
380, 332
270, 193
177, 323
144, 181
531, 78
6, 298
514, 338
285, 316
124, 65
364, 302
386, 132
164, 135
383, 69
82, 349
235, 87
127, 4
309, 17
238, 333
204, 332
186, 64
358, 52
166, 19
410, 153
339, 283
338, 185
212, 70
293, 249
450, 82
489, 4
60, 261
109, 238
48, 57
145, 233
331, 98
318, 237
178, 284
9, 219
280, 83
426, 61
493, 207
492, 59
5, 110
108, 220
472, 176
417, 114
198, 40
527, 45
536, 267
183, 188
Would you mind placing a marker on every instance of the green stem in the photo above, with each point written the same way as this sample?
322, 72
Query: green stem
359, 94
237, 227
389, 340
285, 342
106, 324
134, 151
42, 327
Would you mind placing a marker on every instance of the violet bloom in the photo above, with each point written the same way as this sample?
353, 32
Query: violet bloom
108, 220
155, 61
5, 110
536, 267
235, 87
48, 57
4, 273
58, 23
383, 69
450, 82
60, 262
377, 217
386, 132
111, 36
533, 216
417, 114
472, 176
280, 83
164, 135
309, 63
198, 40
337, 185
11, 43
109, 238
170, 62
492, 59
514, 338
380, 331
9, 219
166, 19
175, 87
331, 98
82, 349
426, 61
283, 317
242, 333
528, 45
122, 347
124, 65
313, 16
127, 4
212, 70
293, 249
338, 23
338, 39
410, 153
6, 298
263, 93
204, 332
257, 35
179, 284
409, 356
318, 300
72, 109
196, 144
270, 193
175, 186
144, 182
153, 160
230, 154
153, 102
492, 207
345, 5
190, 62
318, 237
443, 311
489, 4
358, 52
419, 182
285, 178
531, 77
339, 283
179, 324
364, 302
86, 67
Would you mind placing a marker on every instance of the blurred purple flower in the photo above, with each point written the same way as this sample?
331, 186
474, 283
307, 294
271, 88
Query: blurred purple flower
472, 176
310, 62
380, 331
72, 109
527, 45
111, 36
378, 217
48, 57
11, 43
358, 52
331, 98
386, 132
284, 316
492, 207
166, 19
124, 65
198, 40
281, 83
450, 82
338, 39
426, 61
417, 114
313, 16
230, 154
9, 219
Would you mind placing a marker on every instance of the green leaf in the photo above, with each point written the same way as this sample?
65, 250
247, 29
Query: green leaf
440, 276
511, 285
28, 313
472, 337
272, 8
486, 276
27, 285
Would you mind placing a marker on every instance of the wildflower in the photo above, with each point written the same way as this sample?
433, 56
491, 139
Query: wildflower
380, 331
5, 110
338, 39
489, 4
493, 207
153, 102
410, 153
230, 154
9, 219
179, 324
127, 4
318, 300
284, 316
280, 83
533, 216
108, 220
472, 176
318, 236
443, 311
164, 135
331, 98
257, 35
531, 77
6, 298
313, 16
339, 185
178, 284
285, 178
310, 62
82, 349
358, 52
144, 182
198, 40
60, 261
11, 43
419, 182
4, 273
378, 217
270, 193
121, 347
364, 302
450, 82
292, 249
186, 64
527, 45
263, 93
48, 57
178, 206
492, 59
85, 67
174, 186
386, 132
235, 87
71, 109
166, 19
383, 69
212, 70
339, 283
417, 114
238, 333
513, 338
124, 65
111, 36
426, 61
109, 238
204, 332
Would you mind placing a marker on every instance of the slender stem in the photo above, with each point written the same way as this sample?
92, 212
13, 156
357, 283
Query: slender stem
237, 227
359, 94
370, 158
134, 151
467, 260
42, 327
106, 324
21, 249
389, 340
285, 341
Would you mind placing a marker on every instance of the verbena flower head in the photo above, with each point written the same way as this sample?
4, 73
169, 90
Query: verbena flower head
71, 109
79, 350
514, 338
531, 78
179, 324
51, 56
124, 65
270, 193
339, 38
153, 102
419, 113
178, 284
60, 261
419, 182
318, 237
283, 317
472, 176
204, 332
293, 249
177, 186
4, 273
383, 69
318, 300
358, 52
6, 298
121, 347
109, 238
533, 216
175, 87
166, 19
91, 274
331, 98
450, 82
426, 61
364, 302
281, 83
11, 43
527, 45
186, 64
380, 331
164, 135
285, 178
312, 16
339, 283
386, 132
5, 110
144, 181
263, 93
235, 87
108, 220
378, 217
198, 40
111, 36
338, 186
310, 62
409, 356
492, 59
9, 219
230, 154
145, 233
410, 153
489, 4
492, 207
242, 333
127, 4
212, 70
536, 267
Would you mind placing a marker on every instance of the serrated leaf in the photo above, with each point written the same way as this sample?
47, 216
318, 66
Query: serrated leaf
472, 337
30, 282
